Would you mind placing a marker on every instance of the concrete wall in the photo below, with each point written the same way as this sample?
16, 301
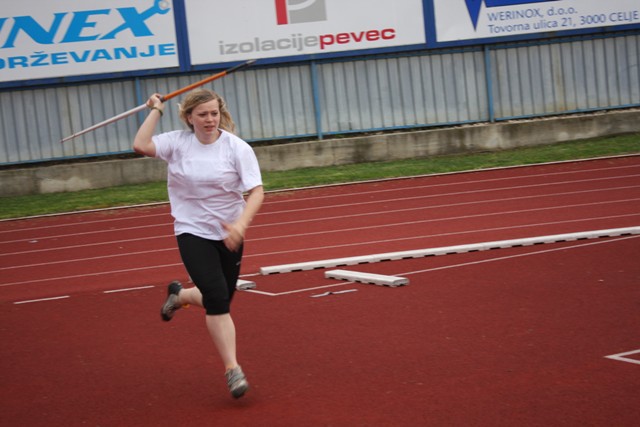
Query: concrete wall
393, 146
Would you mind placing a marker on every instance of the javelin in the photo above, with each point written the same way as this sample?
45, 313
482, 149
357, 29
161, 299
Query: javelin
163, 99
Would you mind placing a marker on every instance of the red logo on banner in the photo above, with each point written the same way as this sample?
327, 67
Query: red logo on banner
300, 11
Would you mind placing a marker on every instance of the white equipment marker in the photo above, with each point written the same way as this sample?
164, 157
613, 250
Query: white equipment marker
475, 247
368, 278
243, 285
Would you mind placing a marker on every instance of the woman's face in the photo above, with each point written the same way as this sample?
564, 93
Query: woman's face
205, 119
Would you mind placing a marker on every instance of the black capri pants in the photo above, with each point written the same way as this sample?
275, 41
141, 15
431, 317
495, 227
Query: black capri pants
213, 268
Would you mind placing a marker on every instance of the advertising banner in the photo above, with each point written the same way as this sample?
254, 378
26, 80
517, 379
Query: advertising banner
46, 39
223, 31
481, 19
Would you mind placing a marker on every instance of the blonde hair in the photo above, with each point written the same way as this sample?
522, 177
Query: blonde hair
200, 96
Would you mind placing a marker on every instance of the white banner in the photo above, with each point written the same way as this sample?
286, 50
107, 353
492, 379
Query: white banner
225, 31
477, 19
45, 39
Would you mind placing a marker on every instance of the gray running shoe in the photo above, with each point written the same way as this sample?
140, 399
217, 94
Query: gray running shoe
171, 304
237, 382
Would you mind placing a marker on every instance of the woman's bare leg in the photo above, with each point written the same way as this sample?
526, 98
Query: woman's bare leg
223, 332
190, 296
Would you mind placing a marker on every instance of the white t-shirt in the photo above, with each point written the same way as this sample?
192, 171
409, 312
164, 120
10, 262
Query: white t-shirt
206, 182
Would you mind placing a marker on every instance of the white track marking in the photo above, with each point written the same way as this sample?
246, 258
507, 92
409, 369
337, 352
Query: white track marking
110, 230
449, 205
42, 299
459, 193
86, 245
83, 212
621, 357
68, 296
249, 255
113, 291
386, 212
101, 273
97, 221
77, 260
255, 291
402, 239
350, 205
423, 221
431, 185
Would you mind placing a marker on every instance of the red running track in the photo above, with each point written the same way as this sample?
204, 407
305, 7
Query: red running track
506, 337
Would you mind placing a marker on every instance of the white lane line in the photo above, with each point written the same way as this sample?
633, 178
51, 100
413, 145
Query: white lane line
255, 291
110, 230
77, 260
86, 245
41, 300
422, 221
450, 205
431, 185
101, 273
342, 230
67, 296
460, 193
97, 221
113, 291
351, 205
424, 236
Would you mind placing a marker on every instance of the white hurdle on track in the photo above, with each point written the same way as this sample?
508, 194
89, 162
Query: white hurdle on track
244, 285
474, 247
368, 278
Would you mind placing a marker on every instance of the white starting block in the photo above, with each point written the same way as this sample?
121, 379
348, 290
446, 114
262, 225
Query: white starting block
369, 278
243, 285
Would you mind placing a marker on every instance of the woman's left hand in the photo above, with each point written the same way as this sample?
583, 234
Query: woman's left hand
235, 236
236, 231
